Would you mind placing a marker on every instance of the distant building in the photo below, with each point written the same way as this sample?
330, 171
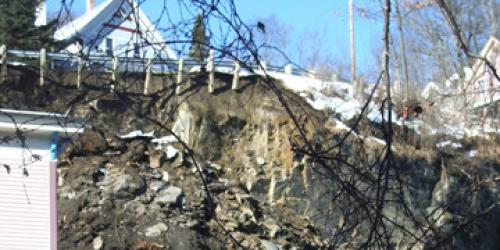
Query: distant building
432, 92
483, 88
114, 28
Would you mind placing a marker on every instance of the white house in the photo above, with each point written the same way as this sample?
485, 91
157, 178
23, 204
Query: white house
116, 28
28, 153
483, 88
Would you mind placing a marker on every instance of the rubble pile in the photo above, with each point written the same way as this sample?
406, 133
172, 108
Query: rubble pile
234, 175
134, 194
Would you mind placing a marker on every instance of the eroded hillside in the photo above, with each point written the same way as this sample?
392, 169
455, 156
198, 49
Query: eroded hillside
238, 172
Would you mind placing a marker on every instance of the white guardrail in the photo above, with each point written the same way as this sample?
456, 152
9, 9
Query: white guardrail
99, 62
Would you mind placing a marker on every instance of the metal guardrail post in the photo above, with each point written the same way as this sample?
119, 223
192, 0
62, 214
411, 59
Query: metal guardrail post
3, 61
148, 77
79, 72
179, 76
114, 75
211, 72
43, 61
236, 75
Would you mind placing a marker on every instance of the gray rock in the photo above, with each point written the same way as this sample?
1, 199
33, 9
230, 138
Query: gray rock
269, 245
135, 207
128, 186
156, 175
170, 196
123, 183
215, 166
191, 223
146, 198
156, 230
156, 185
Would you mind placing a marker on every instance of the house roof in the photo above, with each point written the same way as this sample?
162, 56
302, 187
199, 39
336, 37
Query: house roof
492, 43
89, 26
39, 122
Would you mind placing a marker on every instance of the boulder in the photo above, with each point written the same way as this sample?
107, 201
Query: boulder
267, 245
157, 185
157, 175
170, 196
156, 230
124, 183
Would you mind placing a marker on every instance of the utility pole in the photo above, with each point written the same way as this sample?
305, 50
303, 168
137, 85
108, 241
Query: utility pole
353, 55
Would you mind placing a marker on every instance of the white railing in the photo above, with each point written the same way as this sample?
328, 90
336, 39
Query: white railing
96, 62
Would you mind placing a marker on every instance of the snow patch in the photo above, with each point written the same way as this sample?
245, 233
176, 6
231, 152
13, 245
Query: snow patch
164, 140
448, 144
347, 109
171, 152
340, 125
261, 161
472, 153
137, 134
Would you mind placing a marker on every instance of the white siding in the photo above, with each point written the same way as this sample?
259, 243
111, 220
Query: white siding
25, 221
131, 32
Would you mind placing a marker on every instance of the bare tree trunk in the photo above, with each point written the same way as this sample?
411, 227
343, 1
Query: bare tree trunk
385, 67
353, 55
403, 51
459, 39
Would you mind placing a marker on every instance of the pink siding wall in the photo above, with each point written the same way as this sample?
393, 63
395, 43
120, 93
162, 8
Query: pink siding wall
27, 210
491, 91
53, 205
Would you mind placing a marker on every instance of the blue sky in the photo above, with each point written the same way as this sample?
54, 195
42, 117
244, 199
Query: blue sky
329, 18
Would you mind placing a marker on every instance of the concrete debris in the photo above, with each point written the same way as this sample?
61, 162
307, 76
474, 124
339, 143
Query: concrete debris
156, 230
97, 243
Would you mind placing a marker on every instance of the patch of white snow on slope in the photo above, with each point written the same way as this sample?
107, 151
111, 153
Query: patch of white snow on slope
448, 144
347, 109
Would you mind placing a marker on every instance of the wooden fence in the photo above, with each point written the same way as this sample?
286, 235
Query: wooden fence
116, 65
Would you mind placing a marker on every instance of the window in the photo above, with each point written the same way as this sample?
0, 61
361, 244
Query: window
137, 50
109, 46
480, 88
